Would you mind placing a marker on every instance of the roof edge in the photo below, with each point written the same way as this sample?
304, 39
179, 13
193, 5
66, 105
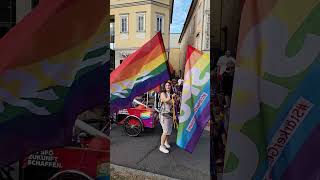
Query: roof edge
186, 22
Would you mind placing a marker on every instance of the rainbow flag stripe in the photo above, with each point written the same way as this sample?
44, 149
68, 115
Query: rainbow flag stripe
142, 71
53, 67
145, 115
274, 126
195, 101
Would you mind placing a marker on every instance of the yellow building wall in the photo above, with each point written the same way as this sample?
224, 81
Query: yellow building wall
174, 59
130, 1
165, 34
164, 1
132, 41
150, 26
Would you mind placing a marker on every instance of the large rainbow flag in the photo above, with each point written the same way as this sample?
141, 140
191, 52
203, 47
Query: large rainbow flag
195, 100
274, 126
53, 67
140, 72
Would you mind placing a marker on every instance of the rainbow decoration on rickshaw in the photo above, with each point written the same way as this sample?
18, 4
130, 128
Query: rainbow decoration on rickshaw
145, 115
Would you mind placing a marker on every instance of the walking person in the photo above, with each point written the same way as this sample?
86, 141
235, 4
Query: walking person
166, 116
227, 82
223, 61
174, 86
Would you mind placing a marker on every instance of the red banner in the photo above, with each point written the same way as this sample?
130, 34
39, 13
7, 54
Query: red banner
91, 162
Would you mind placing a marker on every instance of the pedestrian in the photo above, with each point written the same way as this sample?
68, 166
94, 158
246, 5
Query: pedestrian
174, 86
180, 85
227, 83
166, 116
224, 60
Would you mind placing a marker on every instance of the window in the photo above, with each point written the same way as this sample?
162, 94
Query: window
141, 22
160, 23
112, 32
124, 23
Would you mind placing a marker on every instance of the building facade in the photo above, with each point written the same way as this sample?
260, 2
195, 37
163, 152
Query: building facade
174, 55
196, 29
134, 22
225, 24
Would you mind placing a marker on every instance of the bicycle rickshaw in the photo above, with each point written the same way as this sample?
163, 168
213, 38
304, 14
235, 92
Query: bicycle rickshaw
143, 114
87, 158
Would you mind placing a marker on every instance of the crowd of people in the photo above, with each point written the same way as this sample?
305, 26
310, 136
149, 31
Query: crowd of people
168, 102
221, 88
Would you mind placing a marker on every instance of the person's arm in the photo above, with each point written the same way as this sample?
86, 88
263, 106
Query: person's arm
164, 98
233, 60
219, 62
236, 63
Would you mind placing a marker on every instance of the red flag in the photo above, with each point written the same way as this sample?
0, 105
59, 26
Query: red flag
157, 89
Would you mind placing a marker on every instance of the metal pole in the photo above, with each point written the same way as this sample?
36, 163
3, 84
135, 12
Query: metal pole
148, 99
155, 100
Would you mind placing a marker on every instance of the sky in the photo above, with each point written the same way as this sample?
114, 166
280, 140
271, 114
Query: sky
180, 12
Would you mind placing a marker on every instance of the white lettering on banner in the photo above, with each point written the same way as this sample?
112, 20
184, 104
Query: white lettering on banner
192, 79
295, 117
273, 60
196, 108
44, 158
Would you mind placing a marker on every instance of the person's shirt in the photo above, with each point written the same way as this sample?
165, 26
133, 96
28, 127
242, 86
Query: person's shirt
180, 88
175, 89
166, 107
222, 63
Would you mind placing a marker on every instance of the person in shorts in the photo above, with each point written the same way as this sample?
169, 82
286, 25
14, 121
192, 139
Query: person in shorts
166, 116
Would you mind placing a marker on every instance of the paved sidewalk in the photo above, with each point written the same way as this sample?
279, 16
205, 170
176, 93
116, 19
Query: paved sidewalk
142, 153
120, 172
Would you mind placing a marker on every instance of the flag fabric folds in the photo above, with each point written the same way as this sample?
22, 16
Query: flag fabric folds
53, 67
140, 72
274, 126
195, 100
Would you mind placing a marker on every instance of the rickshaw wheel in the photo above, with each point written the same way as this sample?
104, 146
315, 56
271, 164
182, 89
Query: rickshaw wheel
132, 126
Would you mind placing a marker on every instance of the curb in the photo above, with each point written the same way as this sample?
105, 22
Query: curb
119, 172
